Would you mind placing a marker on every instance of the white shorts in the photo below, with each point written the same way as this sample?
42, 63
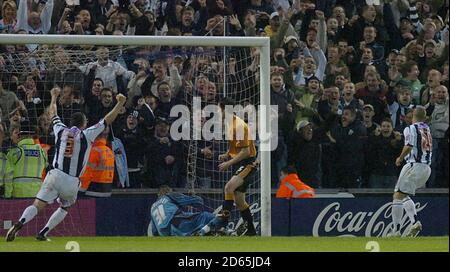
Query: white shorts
58, 184
412, 177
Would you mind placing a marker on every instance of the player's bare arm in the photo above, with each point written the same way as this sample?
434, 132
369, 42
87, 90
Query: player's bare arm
243, 154
55, 94
112, 115
406, 150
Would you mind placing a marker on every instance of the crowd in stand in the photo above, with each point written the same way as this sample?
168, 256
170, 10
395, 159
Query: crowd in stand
345, 76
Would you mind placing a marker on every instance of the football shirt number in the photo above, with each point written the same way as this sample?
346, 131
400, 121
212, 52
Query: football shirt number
159, 214
69, 146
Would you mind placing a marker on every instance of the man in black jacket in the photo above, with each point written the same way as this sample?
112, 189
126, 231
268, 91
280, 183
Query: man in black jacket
305, 154
284, 99
349, 138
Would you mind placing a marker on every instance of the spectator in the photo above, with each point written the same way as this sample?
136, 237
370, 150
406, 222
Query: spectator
134, 139
100, 11
107, 70
163, 149
33, 22
349, 138
67, 105
433, 81
306, 154
331, 106
384, 147
307, 99
375, 94
370, 35
159, 74
368, 113
284, 99
410, 72
8, 102
140, 68
348, 98
291, 186
335, 66
165, 101
105, 105
9, 16
399, 105
439, 126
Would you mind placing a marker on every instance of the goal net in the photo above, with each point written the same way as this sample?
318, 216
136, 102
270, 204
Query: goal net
198, 72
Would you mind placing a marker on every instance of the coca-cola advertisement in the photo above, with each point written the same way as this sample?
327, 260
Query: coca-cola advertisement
364, 216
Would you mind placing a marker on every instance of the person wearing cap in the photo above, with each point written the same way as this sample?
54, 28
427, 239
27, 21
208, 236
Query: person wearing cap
278, 28
291, 48
27, 161
306, 154
368, 112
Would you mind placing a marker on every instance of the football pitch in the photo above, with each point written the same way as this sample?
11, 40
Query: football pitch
227, 244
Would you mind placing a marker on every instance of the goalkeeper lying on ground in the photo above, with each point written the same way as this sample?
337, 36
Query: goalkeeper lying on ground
170, 218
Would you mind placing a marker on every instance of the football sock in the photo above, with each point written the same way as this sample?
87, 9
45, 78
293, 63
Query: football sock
28, 214
410, 209
397, 213
54, 220
228, 202
247, 216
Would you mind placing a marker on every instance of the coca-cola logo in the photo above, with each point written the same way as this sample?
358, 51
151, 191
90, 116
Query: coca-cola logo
333, 221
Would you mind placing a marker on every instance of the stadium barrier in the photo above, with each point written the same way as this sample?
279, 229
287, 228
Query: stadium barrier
330, 214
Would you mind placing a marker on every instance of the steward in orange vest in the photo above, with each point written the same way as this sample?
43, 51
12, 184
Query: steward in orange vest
98, 177
291, 186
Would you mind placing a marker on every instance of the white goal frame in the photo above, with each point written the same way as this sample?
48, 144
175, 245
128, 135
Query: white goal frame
262, 43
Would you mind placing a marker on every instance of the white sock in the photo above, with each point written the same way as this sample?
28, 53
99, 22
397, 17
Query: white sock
410, 208
397, 213
28, 214
54, 220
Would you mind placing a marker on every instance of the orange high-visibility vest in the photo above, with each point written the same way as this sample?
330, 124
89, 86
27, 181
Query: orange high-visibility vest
46, 148
292, 187
98, 176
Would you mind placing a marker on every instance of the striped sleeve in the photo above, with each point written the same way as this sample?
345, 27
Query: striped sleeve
414, 17
410, 136
57, 124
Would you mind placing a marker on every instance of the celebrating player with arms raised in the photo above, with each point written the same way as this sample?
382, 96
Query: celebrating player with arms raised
72, 150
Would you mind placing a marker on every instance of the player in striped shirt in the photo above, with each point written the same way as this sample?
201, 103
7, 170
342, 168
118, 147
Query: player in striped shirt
72, 150
414, 174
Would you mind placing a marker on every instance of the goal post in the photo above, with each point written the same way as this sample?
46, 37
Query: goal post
261, 43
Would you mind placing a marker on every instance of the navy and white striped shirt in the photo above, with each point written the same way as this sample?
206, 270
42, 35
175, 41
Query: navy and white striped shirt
73, 146
418, 136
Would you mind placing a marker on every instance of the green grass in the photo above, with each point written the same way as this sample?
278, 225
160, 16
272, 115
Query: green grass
244, 244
